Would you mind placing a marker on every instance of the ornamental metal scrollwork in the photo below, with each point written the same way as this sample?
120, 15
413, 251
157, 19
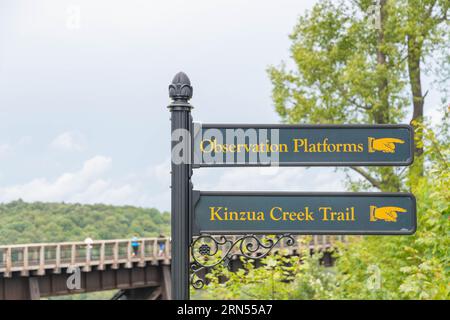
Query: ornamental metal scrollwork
208, 251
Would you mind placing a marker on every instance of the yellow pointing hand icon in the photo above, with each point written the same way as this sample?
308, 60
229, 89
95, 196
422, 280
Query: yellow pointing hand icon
385, 213
386, 145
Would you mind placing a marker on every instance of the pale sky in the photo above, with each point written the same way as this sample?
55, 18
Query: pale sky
83, 94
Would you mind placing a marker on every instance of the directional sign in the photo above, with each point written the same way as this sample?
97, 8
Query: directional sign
221, 145
303, 213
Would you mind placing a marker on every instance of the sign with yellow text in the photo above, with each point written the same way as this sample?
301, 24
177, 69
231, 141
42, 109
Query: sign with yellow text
221, 145
303, 213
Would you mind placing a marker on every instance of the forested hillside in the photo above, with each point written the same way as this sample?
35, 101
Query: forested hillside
22, 222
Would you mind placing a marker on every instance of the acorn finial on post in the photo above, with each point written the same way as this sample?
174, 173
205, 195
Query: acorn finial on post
180, 89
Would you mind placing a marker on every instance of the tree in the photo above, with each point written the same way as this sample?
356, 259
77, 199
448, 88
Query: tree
409, 267
22, 222
350, 70
424, 27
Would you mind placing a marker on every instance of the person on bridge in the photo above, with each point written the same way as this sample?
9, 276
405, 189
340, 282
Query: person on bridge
135, 246
162, 244
88, 241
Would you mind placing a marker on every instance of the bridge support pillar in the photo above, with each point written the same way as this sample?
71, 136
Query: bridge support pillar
35, 293
166, 283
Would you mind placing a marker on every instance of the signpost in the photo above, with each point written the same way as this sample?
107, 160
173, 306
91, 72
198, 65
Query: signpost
210, 216
222, 145
180, 91
303, 213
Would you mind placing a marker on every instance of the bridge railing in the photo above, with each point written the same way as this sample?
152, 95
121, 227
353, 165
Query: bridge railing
41, 256
38, 257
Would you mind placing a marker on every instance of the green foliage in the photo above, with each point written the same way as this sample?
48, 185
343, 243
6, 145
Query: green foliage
412, 267
279, 277
22, 222
334, 48
348, 71
339, 70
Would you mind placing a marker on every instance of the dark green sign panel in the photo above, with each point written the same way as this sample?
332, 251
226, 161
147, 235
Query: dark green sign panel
303, 213
221, 145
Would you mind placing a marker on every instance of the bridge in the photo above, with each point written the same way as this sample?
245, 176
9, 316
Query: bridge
34, 271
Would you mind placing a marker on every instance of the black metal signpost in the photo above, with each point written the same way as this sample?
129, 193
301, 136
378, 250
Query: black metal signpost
180, 91
254, 215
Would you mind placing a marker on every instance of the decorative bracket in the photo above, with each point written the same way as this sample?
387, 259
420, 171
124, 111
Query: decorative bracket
208, 251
